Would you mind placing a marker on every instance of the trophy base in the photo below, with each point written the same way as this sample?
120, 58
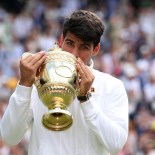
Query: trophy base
57, 119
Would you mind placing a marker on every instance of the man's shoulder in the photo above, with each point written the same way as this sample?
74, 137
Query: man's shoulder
107, 82
105, 76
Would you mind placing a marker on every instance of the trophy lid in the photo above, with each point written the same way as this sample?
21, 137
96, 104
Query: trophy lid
58, 54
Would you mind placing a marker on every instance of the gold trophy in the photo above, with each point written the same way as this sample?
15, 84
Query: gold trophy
56, 86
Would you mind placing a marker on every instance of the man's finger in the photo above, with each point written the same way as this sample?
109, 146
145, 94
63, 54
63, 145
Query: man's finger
40, 62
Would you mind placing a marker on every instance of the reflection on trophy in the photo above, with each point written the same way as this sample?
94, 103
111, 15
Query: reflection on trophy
56, 86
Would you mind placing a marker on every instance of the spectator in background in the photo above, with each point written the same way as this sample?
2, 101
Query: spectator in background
21, 31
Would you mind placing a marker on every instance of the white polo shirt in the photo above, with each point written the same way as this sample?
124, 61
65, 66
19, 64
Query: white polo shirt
100, 125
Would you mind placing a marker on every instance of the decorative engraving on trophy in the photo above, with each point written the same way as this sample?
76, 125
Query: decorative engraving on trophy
61, 89
64, 71
57, 57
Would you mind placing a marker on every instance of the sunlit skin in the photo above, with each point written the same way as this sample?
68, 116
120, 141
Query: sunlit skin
70, 43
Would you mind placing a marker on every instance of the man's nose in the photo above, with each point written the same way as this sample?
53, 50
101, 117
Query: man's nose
75, 52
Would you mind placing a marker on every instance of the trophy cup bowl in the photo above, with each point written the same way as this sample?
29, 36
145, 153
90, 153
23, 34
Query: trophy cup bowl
56, 87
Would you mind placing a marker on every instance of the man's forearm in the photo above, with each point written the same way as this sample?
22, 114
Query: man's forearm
17, 116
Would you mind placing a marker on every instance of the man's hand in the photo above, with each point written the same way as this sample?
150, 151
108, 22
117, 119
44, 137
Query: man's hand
86, 77
29, 65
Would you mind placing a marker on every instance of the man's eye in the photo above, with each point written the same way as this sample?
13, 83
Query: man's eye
69, 43
85, 47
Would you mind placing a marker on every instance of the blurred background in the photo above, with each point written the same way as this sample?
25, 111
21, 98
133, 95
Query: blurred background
127, 52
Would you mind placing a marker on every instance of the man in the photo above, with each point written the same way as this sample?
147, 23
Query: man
100, 125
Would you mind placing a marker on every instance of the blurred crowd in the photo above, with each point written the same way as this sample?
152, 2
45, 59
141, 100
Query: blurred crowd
127, 52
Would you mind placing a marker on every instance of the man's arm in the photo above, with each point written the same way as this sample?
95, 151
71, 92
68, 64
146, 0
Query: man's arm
17, 117
110, 125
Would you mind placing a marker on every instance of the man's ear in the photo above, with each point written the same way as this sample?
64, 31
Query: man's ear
96, 49
60, 40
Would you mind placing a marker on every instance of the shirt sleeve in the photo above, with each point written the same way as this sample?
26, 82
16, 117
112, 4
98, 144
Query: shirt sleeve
110, 125
18, 116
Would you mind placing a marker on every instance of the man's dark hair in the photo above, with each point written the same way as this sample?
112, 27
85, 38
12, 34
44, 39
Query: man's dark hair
86, 25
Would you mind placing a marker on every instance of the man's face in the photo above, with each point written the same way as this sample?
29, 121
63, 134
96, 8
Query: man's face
79, 48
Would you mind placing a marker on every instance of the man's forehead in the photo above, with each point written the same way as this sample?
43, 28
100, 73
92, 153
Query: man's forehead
72, 37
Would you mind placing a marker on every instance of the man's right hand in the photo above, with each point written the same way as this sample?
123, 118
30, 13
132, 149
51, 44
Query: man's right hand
29, 65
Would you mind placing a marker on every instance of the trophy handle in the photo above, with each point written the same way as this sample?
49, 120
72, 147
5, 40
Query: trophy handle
78, 80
